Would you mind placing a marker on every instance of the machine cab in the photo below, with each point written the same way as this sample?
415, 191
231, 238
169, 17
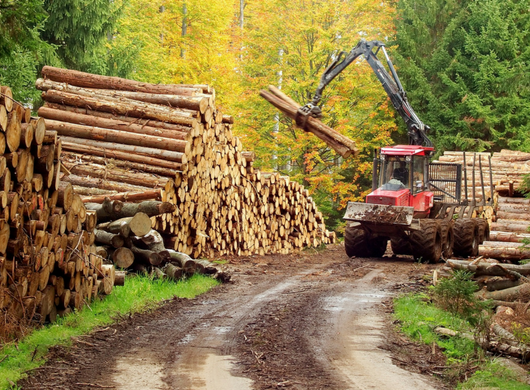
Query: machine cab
401, 177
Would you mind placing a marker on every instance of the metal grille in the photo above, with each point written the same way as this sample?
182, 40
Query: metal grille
445, 181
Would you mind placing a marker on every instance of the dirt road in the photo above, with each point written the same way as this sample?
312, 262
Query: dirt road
315, 320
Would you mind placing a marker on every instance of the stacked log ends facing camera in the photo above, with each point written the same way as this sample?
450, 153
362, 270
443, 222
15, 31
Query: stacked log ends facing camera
131, 141
48, 263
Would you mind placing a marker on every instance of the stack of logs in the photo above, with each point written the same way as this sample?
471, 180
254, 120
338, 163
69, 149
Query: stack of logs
133, 141
508, 170
47, 258
125, 237
507, 286
509, 231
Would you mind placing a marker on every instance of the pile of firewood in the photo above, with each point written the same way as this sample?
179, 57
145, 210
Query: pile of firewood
48, 263
508, 288
133, 141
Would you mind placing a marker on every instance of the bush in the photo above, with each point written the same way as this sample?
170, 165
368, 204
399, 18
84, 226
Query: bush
456, 295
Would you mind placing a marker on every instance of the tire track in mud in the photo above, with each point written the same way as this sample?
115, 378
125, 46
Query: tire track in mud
286, 322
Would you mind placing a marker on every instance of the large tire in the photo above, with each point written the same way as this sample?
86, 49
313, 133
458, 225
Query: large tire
426, 243
400, 246
448, 239
483, 230
358, 244
466, 237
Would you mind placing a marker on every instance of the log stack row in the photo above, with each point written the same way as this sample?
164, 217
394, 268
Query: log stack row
509, 231
47, 257
134, 141
124, 236
507, 286
508, 170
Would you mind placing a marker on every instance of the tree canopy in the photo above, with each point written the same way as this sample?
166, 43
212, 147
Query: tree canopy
465, 65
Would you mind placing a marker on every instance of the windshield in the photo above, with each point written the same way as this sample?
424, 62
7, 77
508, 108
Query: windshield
394, 173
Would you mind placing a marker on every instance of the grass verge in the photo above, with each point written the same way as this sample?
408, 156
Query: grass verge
139, 294
418, 318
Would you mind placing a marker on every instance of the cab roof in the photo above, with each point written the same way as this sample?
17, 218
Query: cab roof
407, 150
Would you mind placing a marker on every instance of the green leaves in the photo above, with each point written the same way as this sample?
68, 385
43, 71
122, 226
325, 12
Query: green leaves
465, 65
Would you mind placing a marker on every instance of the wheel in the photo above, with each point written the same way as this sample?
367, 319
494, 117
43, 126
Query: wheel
448, 241
358, 244
483, 230
400, 246
466, 237
426, 243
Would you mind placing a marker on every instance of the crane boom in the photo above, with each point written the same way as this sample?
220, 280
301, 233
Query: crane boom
417, 130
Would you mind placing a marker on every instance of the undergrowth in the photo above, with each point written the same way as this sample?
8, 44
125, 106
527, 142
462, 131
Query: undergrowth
139, 294
452, 304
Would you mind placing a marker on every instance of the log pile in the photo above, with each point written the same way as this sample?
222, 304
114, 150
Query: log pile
125, 237
508, 288
48, 263
508, 169
509, 231
133, 141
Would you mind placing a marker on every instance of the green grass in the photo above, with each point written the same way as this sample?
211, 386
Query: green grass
493, 376
139, 294
418, 318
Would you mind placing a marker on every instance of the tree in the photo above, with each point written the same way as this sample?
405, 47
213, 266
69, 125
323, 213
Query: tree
309, 34
80, 30
465, 65
21, 47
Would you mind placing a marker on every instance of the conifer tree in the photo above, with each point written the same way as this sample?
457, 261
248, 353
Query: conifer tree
80, 30
465, 66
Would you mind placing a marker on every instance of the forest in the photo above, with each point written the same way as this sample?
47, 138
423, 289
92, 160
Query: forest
464, 64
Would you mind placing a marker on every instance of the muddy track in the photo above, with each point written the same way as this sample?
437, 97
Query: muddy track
308, 321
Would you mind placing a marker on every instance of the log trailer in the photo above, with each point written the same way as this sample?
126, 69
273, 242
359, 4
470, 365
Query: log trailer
416, 204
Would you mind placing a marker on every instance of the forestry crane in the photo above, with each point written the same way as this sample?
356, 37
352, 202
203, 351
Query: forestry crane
414, 203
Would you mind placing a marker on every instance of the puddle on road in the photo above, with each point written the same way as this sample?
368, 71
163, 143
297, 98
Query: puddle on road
214, 374
339, 303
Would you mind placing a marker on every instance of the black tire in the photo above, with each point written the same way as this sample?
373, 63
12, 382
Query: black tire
426, 243
358, 244
400, 246
483, 230
448, 241
466, 237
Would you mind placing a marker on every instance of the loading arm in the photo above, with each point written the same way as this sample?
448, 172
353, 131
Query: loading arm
417, 130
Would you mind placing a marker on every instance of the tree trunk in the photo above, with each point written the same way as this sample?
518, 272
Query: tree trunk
109, 148
70, 159
196, 103
121, 106
487, 268
125, 196
181, 130
341, 144
151, 208
88, 80
118, 136
139, 225
107, 123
